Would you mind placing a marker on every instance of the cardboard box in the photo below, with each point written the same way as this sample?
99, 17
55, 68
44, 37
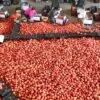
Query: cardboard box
36, 18
87, 22
59, 21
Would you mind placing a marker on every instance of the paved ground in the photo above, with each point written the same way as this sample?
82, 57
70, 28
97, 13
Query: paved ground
40, 5
65, 6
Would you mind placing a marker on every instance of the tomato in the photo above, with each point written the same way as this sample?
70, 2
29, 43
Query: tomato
6, 26
42, 27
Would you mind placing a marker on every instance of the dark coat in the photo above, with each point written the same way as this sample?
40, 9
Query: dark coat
51, 13
80, 3
55, 3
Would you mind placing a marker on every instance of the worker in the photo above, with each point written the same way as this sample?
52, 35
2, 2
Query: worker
54, 13
31, 12
55, 4
16, 15
45, 10
51, 16
80, 3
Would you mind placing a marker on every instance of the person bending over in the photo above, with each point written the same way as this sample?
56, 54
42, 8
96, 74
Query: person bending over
31, 12
55, 4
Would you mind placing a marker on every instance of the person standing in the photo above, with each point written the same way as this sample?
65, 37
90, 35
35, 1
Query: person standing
81, 3
31, 12
55, 4
51, 16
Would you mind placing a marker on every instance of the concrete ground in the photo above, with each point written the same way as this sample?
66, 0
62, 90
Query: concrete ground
66, 6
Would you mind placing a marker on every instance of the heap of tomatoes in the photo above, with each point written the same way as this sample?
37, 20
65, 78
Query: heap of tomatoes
6, 26
42, 27
63, 69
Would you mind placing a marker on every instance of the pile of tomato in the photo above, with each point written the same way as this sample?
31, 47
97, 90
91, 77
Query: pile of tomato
63, 69
6, 26
42, 27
